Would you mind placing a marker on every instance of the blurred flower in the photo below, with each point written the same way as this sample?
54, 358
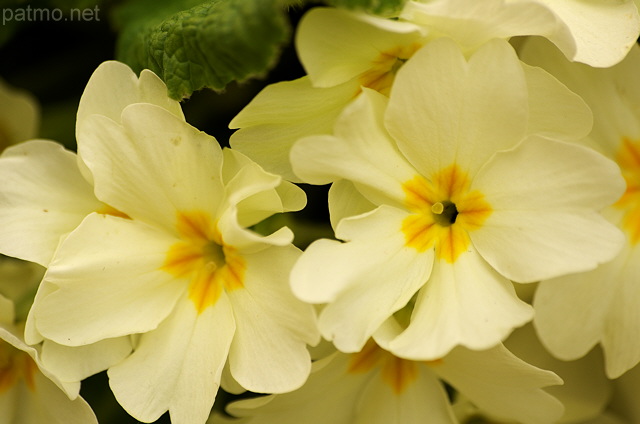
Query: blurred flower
19, 116
373, 386
575, 312
29, 392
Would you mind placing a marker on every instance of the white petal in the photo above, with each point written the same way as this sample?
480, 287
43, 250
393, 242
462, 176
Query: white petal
178, 366
110, 283
329, 396
575, 312
49, 405
366, 279
586, 391
79, 362
464, 303
281, 114
114, 86
269, 353
603, 32
473, 23
152, 165
360, 151
445, 110
254, 208
554, 110
544, 195
351, 47
422, 401
345, 201
500, 383
43, 197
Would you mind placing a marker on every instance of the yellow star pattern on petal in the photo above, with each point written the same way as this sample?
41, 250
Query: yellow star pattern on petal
203, 258
444, 212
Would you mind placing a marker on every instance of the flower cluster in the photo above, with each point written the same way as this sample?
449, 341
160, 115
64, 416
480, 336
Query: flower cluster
484, 169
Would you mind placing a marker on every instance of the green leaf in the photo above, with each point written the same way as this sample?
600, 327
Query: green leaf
192, 44
378, 7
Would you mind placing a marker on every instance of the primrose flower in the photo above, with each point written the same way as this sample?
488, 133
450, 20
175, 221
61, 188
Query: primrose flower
463, 199
178, 268
576, 312
29, 392
46, 193
373, 386
596, 32
19, 116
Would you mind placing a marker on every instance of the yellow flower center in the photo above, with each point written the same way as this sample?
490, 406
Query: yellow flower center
204, 259
383, 69
628, 158
444, 212
396, 372
14, 366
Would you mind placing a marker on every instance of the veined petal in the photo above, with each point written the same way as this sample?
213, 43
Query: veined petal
544, 221
114, 86
611, 93
110, 283
43, 197
500, 383
360, 151
602, 31
554, 110
366, 279
281, 114
152, 165
269, 353
177, 367
355, 43
464, 303
472, 23
446, 110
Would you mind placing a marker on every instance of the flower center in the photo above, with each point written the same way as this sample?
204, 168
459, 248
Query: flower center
443, 224
444, 213
629, 160
15, 365
384, 68
204, 259
396, 372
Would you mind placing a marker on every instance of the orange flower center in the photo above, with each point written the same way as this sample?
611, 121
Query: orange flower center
204, 259
444, 212
628, 158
